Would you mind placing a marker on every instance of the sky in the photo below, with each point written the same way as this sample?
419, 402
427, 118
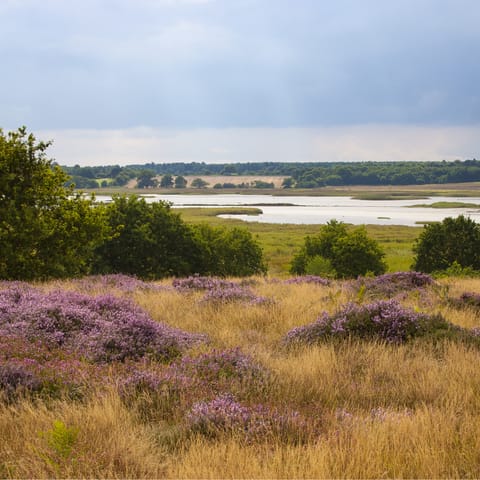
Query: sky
139, 81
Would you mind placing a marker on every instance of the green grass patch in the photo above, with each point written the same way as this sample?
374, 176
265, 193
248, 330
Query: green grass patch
447, 205
280, 242
388, 196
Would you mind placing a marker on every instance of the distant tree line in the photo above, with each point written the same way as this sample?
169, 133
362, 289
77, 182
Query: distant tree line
298, 175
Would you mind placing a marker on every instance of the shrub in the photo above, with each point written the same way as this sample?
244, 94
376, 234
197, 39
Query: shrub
103, 328
390, 284
234, 294
219, 368
151, 241
224, 414
315, 279
383, 320
440, 245
198, 283
338, 252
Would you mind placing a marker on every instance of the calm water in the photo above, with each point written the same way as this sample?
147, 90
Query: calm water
315, 210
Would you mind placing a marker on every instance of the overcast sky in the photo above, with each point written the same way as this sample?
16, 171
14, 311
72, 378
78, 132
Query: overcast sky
135, 81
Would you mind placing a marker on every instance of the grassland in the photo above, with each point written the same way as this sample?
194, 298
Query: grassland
281, 241
447, 205
371, 409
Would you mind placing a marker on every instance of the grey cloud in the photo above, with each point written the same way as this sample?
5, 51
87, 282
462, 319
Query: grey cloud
238, 63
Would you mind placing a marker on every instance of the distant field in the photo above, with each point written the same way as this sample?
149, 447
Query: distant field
378, 192
213, 179
281, 241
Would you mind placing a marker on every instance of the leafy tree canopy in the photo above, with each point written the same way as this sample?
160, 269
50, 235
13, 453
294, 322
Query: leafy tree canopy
340, 253
45, 230
151, 241
453, 241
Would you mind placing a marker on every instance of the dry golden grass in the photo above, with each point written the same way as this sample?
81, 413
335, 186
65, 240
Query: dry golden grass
110, 443
410, 411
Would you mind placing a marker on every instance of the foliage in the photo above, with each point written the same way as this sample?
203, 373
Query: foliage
453, 240
224, 414
180, 182
340, 252
391, 284
167, 181
229, 252
199, 183
101, 329
146, 179
314, 279
151, 241
61, 438
45, 230
384, 320
314, 175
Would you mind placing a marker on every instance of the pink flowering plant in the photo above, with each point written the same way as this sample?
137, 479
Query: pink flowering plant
391, 284
310, 279
101, 329
385, 320
225, 415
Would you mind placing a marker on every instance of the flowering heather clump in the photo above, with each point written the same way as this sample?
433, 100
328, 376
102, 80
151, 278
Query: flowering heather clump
218, 366
467, 299
315, 279
381, 414
120, 282
196, 282
51, 377
103, 328
224, 414
16, 377
233, 294
390, 284
384, 320
156, 394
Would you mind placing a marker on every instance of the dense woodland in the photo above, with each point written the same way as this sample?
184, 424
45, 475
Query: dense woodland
298, 175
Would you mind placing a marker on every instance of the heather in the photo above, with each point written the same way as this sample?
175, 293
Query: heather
103, 328
391, 284
219, 291
122, 378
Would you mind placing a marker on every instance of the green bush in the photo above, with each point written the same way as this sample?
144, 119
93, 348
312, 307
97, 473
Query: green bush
150, 241
453, 241
339, 252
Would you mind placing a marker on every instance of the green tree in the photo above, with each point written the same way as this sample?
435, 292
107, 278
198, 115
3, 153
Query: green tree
151, 241
454, 240
339, 252
146, 179
199, 183
166, 181
180, 182
46, 230
229, 252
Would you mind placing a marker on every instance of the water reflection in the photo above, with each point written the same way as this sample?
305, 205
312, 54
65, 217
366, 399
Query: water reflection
318, 210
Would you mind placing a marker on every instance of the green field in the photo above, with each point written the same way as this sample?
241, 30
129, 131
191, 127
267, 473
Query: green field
281, 241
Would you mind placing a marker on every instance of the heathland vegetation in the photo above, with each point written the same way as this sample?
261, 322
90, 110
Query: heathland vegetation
110, 376
231, 372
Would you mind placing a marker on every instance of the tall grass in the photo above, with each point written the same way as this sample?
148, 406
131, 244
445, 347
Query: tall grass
371, 409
